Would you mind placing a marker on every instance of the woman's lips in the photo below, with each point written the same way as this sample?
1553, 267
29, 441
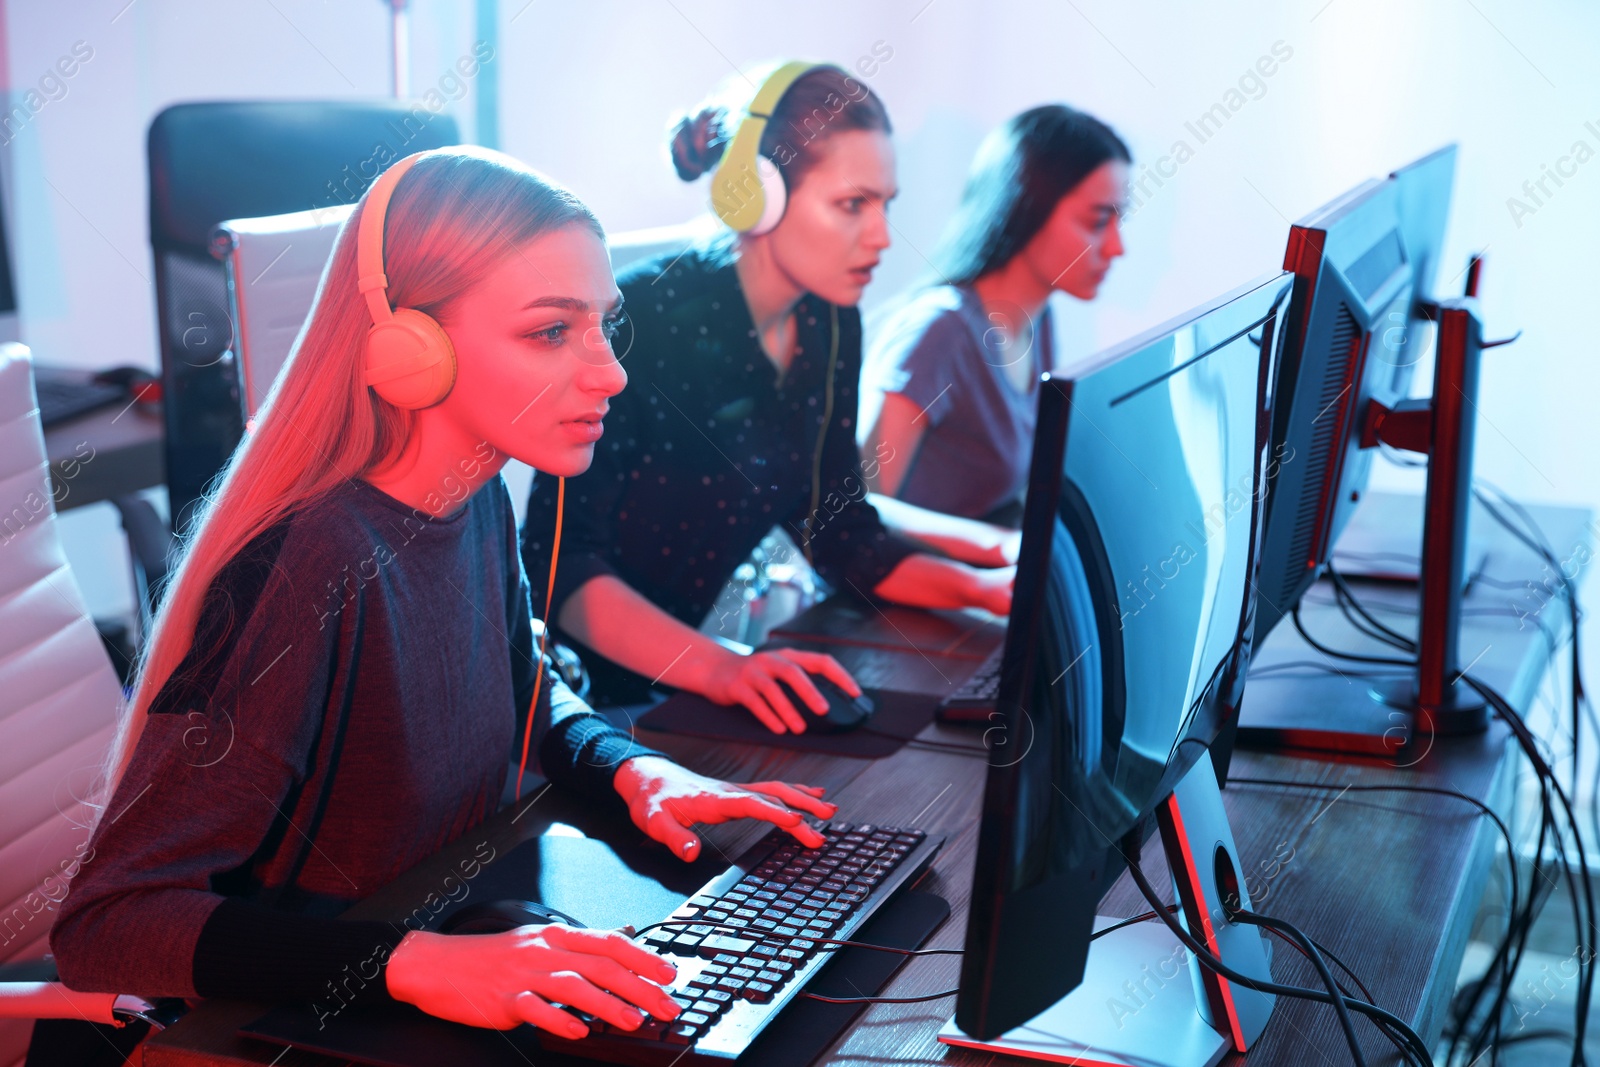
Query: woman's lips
861, 275
584, 431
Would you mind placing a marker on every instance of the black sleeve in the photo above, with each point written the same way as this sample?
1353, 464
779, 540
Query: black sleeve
849, 543
249, 951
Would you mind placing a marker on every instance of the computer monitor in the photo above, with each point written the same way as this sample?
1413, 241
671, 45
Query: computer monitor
1359, 320
1357, 325
1125, 654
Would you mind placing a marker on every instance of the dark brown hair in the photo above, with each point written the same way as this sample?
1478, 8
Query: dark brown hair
820, 103
1021, 172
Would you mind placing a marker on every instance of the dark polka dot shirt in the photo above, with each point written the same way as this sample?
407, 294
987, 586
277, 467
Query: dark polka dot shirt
707, 449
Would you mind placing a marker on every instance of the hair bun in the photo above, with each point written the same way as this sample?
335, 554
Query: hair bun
697, 143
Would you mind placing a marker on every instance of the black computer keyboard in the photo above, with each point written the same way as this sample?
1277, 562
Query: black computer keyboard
63, 397
975, 698
746, 945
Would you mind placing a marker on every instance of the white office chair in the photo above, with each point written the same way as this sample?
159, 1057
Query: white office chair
58, 704
273, 265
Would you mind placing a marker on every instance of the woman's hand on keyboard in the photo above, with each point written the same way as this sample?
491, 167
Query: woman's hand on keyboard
506, 979
665, 799
753, 681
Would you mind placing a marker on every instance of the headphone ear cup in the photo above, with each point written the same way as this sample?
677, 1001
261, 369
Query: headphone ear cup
410, 360
774, 194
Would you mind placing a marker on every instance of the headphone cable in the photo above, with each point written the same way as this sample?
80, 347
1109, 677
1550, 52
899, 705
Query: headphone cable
544, 634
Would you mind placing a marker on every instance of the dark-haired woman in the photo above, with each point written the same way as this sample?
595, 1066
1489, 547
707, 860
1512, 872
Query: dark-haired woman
951, 382
740, 413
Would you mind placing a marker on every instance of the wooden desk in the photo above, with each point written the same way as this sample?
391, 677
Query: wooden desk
1391, 883
105, 454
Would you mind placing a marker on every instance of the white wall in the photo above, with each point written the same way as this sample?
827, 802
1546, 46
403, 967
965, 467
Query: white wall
587, 90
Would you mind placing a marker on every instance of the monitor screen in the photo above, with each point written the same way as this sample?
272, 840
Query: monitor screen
1129, 634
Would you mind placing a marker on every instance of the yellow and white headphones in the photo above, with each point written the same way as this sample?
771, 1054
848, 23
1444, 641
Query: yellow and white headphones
747, 190
410, 361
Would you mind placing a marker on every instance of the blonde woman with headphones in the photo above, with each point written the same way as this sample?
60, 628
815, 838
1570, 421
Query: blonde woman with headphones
743, 355
345, 660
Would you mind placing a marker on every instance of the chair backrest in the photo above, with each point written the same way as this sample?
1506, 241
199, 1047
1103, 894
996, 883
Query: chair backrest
244, 159
58, 691
273, 267
630, 246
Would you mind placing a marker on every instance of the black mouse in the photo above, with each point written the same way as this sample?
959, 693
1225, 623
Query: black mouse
126, 378
845, 712
496, 916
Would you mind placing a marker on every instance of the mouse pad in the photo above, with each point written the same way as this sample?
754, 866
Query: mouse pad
900, 717
399, 1035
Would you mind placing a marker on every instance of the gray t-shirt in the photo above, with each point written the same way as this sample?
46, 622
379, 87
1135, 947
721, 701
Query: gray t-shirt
940, 351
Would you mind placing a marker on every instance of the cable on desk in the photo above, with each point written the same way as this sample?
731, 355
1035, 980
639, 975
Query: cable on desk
1555, 808
1130, 847
1309, 950
1505, 831
1146, 917
1387, 661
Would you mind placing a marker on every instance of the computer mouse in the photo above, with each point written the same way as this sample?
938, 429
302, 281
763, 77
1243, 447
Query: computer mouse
135, 382
845, 712
496, 916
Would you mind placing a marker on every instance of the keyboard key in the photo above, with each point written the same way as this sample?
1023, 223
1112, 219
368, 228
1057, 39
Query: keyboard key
716, 996
803, 944
772, 978
759, 992
693, 1018
713, 970
708, 1008
681, 1035
732, 985
787, 931
726, 945
791, 954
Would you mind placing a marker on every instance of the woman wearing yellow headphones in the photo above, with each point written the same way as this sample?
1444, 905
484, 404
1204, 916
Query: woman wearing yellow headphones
743, 355
345, 660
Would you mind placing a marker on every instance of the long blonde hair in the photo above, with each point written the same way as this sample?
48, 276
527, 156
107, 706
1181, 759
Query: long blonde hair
454, 217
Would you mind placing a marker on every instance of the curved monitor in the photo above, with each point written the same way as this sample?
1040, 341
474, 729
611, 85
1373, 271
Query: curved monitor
1129, 636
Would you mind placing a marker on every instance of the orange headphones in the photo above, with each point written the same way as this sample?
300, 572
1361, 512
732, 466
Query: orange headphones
410, 361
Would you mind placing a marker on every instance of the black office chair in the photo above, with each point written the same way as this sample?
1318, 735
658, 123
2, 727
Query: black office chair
210, 162
215, 161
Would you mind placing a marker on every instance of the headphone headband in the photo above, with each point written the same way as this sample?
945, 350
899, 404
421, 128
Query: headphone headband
371, 281
738, 195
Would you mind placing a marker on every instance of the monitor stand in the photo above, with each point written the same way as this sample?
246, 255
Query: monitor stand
1134, 1008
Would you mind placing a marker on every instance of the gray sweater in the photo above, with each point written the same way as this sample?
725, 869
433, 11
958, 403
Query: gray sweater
361, 650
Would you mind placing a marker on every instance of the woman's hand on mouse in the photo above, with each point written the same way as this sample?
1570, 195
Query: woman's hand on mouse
502, 980
665, 799
753, 682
